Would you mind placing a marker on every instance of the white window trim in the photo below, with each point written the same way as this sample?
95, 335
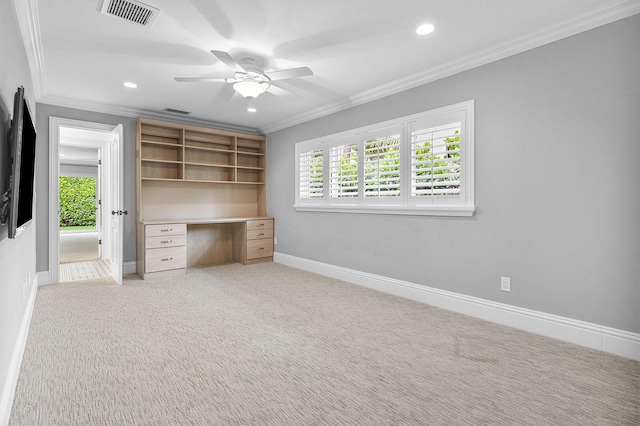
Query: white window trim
464, 206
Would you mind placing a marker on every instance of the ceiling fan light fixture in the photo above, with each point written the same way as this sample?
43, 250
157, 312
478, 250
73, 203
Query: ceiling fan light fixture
251, 88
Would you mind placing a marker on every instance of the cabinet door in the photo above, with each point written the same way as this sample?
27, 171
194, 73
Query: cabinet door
259, 248
253, 225
165, 241
167, 229
165, 259
259, 234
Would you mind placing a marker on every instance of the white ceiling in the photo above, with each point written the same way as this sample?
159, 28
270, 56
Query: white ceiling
359, 50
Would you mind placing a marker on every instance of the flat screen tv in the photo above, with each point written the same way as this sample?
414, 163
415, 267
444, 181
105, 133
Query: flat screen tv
22, 138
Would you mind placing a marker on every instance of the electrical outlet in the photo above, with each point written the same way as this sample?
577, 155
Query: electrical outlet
505, 284
275, 240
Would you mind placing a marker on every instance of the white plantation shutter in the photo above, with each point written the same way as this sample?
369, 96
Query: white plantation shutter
343, 165
422, 164
382, 167
436, 161
311, 174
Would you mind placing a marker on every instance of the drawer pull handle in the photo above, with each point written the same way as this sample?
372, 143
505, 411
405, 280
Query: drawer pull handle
166, 230
261, 234
166, 241
165, 259
260, 248
260, 225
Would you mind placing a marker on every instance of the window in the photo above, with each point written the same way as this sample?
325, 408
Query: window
420, 164
310, 174
343, 163
382, 167
435, 161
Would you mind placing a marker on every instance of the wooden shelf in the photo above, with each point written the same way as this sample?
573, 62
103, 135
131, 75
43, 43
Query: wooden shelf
204, 148
153, 160
197, 154
208, 165
145, 142
194, 171
257, 154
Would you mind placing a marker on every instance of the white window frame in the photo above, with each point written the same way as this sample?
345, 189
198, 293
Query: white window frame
461, 205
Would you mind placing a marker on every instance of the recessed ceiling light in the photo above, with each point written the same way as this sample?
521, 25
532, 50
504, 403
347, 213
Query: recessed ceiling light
130, 84
252, 109
425, 29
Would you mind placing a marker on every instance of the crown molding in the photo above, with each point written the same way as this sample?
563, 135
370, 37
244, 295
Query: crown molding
27, 14
136, 113
29, 24
548, 35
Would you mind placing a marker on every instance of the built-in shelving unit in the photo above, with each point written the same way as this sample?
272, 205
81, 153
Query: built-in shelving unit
187, 153
186, 173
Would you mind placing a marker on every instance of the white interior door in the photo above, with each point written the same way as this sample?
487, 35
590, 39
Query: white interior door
116, 203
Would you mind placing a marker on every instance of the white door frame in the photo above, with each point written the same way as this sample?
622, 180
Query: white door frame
55, 125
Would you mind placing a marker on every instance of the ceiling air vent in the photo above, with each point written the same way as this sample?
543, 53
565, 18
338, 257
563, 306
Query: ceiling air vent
131, 10
176, 111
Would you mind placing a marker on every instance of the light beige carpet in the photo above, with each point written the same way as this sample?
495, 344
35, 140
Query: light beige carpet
271, 345
78, 246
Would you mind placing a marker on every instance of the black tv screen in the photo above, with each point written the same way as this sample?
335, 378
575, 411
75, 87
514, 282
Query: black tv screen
23, 153
5, 165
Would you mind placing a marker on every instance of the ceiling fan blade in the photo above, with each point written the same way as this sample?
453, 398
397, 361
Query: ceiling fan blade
200, 80
290, 73
277, 91
228, 60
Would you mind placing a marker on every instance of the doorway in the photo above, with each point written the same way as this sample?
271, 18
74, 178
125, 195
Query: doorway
85, 158
80, 203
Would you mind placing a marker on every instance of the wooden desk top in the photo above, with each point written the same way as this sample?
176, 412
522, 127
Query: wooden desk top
203, 220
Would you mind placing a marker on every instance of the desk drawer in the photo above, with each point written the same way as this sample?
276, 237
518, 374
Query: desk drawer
165, 259
165, 241
167, 229
259, 234
259, 248
253, 225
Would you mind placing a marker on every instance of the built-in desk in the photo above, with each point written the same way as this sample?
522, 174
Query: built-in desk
170, 246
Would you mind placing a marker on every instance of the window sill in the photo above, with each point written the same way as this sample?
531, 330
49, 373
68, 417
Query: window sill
457, 211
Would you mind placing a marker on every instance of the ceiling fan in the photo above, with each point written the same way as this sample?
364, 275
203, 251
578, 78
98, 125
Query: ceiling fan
249, 79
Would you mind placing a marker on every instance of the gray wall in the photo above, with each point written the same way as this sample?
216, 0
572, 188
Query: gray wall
42, 184
557, 145
17, 257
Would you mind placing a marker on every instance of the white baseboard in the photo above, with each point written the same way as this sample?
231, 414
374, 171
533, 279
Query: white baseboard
43, 278
9, 388
129, 268
606, 339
